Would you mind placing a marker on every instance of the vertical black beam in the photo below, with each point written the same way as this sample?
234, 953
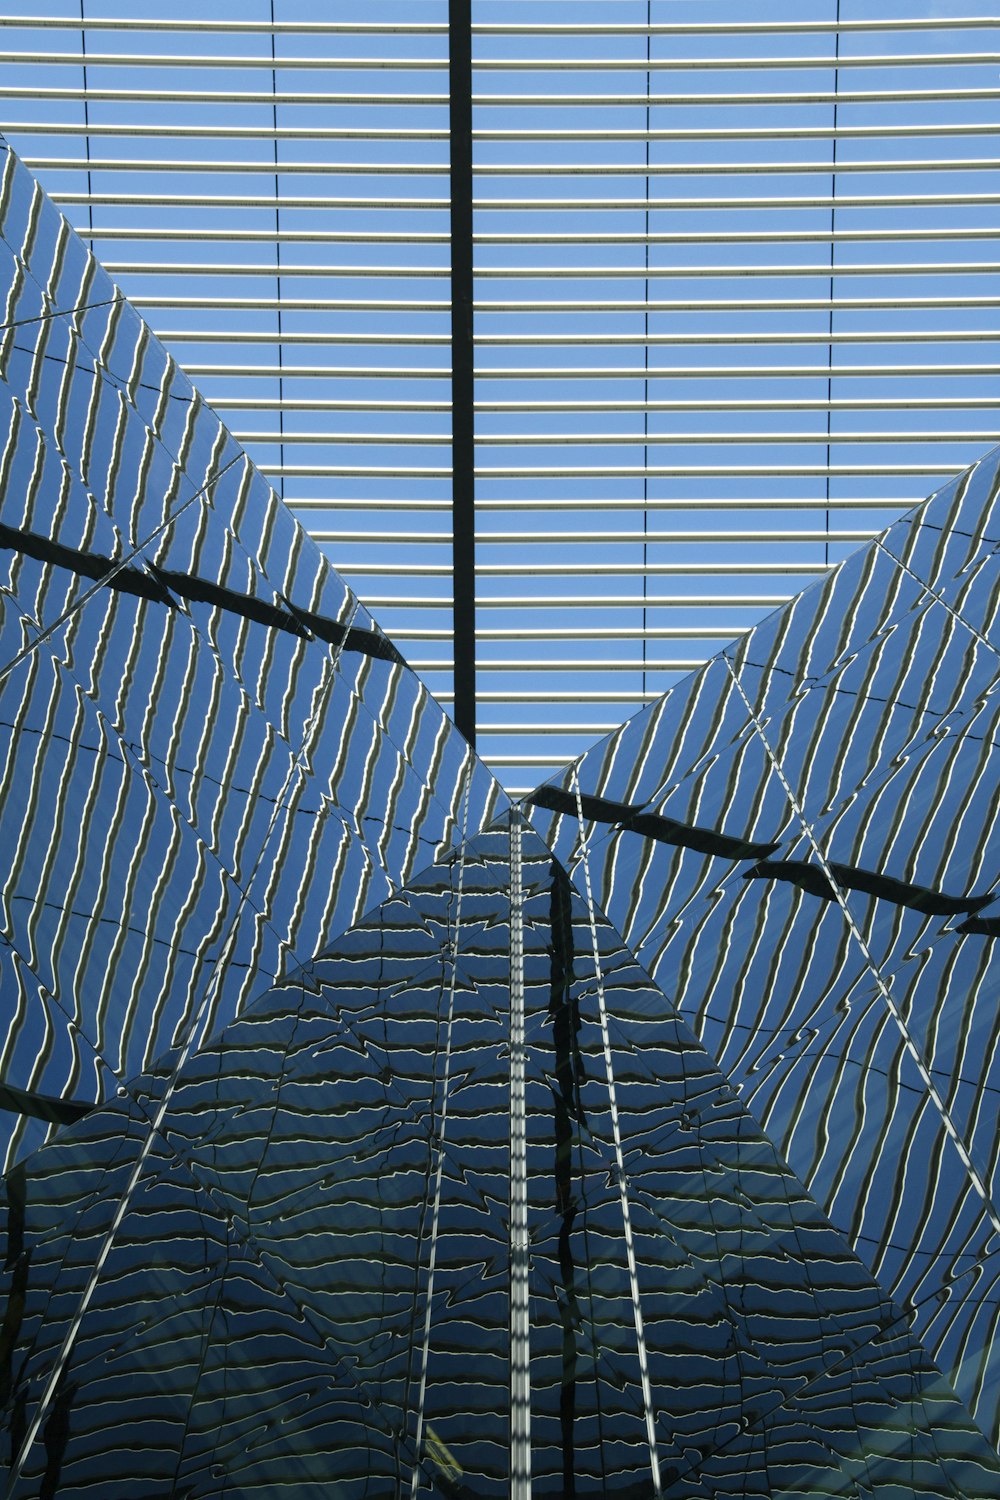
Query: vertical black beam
463, 450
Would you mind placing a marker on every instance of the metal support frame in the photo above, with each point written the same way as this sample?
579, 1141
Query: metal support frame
520, 1314
463, 475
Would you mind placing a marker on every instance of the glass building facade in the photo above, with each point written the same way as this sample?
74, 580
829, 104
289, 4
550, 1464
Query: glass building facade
370, 1135
190, 688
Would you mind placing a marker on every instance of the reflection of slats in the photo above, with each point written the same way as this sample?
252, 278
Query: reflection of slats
301, 1138
878, 700
177, 724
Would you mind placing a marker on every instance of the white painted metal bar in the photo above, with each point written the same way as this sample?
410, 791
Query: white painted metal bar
541, 567
602, 538
861, 403
759, 201
138, 22
291, 272
737, 28
267, 167
587, 601
612, 471
99, 93
528, 760
236, 402
943, 93
178, 130
637, 168
695, 372
175, 130
545, 439
584, 696
260, 403
884, 130
408, 506
581, 372
715, 99
273, 336
483, 64
223, 60
548, 729
284, 97
287, 201
330, 372
585, 339
327, 237
570, 205
588, 339
582, 633
350, 439
336, 304
693, 340
825, 236
237, 167
693, 63
544, 273
593, 664
887, 235
484, 306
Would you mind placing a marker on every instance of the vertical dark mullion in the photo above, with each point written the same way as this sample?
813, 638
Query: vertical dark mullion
463, 452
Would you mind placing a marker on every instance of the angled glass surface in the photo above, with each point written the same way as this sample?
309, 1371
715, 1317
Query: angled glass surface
239, 761
354, 1139
819, 903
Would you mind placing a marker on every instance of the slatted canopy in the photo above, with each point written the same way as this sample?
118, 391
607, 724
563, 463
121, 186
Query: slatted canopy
733, 298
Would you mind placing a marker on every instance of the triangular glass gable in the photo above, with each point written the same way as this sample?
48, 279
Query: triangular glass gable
475, 1161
